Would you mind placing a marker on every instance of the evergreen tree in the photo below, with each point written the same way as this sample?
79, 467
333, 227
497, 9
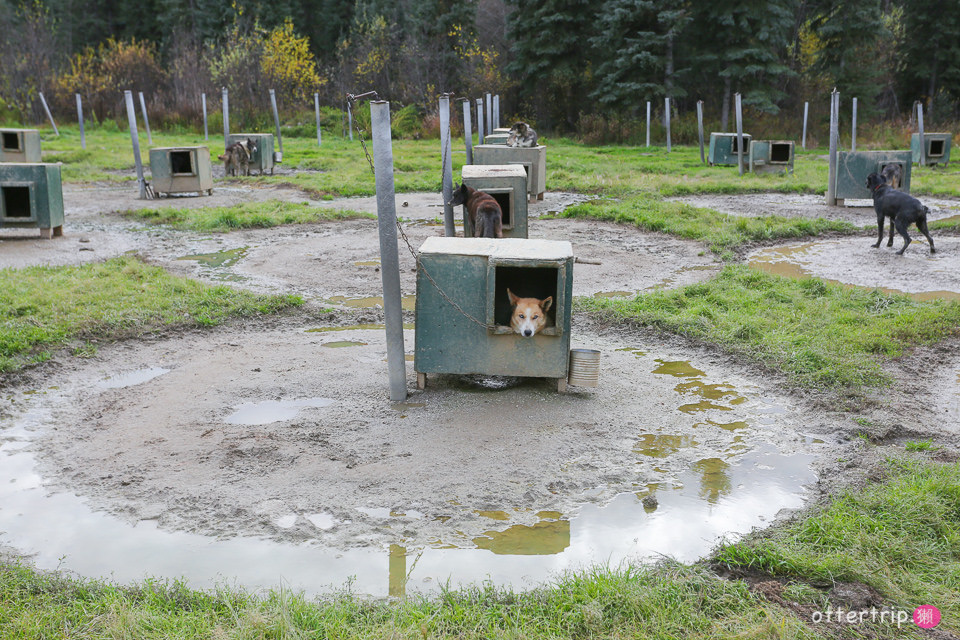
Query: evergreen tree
930, 53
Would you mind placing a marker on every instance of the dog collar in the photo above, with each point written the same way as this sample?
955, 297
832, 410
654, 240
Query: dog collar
879, 185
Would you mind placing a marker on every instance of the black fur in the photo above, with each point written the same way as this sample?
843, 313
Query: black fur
902, 209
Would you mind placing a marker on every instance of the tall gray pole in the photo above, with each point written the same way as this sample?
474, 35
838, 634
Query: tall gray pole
446, 157
43, 101
203, 106
648, 123
666, 117
834, 143
739, 134
146, 122
489, 114
806, 111
479, 120
389, 258
316, 107
700, 128
467, 131
226, 118
853, 128
276, 121
83, 137
350, 122
923, 142
132, 120
496, 112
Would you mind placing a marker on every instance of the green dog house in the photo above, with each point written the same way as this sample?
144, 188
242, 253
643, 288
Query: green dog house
181, 170
507, 183
31, 196
19, 145
853, 167
771, 156
937, 148
263, 158
723, 148
533, 160
475, 273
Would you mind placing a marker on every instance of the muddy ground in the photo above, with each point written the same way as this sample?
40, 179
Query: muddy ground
150, 430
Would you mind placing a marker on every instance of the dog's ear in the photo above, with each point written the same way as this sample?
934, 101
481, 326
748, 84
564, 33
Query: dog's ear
546, 304
513, 298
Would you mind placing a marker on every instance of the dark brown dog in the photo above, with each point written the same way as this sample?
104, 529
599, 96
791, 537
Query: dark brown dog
483, 210
902, 209
893, 175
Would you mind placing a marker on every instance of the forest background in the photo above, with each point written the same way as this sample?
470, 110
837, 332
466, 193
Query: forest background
570, 67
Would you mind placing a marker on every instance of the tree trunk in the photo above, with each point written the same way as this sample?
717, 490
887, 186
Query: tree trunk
725, 113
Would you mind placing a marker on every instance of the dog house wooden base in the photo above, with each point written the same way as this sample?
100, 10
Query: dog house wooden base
31, 196
771, 156
853, 167
19, 145
181, 170
723, 149
533, 160
475, 273
937, 149
507, 183
263, 158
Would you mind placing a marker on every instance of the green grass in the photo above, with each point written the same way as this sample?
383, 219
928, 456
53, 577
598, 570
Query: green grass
269, 213
818, 334
46, 308
901, 537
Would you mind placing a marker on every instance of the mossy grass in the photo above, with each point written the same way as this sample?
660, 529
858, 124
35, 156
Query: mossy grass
901, 536
246, 215
43, 309
818, 334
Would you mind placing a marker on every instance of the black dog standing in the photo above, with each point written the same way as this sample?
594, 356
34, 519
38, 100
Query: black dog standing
902, 209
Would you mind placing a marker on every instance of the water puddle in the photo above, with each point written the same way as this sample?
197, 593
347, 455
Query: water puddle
132, 378
408, 302
268, 411
344, 343
367, 263
216, 265
615, 294
788, 262
355, 327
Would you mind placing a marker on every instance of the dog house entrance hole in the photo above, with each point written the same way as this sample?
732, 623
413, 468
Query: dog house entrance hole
936, 147
181, 163
16, 202
11, 141
525, 282
505, 200
734, 146
779, 152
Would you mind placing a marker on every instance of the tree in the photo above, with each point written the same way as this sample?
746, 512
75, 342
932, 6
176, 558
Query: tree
930, 53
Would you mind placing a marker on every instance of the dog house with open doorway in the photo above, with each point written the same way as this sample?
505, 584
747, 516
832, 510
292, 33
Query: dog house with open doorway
771, 156
723, 148
181, 170
31, 196
476, 338
507, 183
533, 160
853, 167
937, 148
19, 145
263, 159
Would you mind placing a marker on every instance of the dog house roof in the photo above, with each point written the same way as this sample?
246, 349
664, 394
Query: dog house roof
174, 148
493, 171
502, 248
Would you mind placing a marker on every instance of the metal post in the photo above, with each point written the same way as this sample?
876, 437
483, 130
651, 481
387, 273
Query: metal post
350, 122
479, 120
496, 111
146, 123
700, 128
389, 258
853, 128
666, 117
83, 138
226, 118
203, 106
43, 101
923, 142
446, 157
806, 112
276, 121
739, 134
467, 130
834, 143
489, 114
132, 119
316, 107
648, 123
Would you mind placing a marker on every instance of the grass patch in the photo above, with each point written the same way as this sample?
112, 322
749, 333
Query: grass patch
818, 334
46, 308
721, 231
246, 215
901, 537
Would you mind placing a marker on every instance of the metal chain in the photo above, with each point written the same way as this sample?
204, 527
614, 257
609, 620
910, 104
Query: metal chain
406, 240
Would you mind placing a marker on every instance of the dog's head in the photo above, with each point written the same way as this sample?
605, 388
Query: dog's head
875, 181
529, 314
460, 195
251, 147
520, 128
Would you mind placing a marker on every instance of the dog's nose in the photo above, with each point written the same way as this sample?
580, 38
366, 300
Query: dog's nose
527, 333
